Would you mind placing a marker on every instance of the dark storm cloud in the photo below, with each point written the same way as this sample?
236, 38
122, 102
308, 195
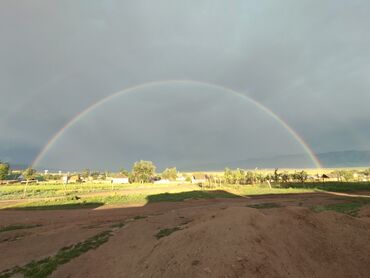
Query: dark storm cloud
178, 124
306, 60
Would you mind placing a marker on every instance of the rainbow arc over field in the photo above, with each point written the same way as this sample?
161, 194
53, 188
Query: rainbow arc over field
105, 100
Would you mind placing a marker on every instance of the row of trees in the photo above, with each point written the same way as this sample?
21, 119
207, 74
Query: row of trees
5, 172
142, 172
145, 172
240, 176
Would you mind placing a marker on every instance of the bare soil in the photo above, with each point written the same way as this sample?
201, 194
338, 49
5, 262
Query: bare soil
213, 238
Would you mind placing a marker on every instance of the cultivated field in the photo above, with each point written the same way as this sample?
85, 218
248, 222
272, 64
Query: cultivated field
147, 230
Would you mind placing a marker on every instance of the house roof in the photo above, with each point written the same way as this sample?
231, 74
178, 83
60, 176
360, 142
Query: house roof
329, 176
119, 176
199, 176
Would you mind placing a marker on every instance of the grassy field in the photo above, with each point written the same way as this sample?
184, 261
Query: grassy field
95, 195
20, 191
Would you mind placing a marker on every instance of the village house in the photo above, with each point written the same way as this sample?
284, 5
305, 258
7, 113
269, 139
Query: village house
119, 179
162, 181
329, 177
198, 178
180, 179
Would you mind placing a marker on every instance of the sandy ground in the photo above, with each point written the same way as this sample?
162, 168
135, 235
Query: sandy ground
216, 238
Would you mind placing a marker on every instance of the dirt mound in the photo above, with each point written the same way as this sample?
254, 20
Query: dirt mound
232, 241
365, 212
245, 242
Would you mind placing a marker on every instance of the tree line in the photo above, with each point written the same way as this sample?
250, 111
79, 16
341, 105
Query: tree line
145, 172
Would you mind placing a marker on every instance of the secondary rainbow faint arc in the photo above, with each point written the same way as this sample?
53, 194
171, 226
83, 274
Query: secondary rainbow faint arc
80, 115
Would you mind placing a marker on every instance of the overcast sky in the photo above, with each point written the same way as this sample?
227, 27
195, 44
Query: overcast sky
307, 61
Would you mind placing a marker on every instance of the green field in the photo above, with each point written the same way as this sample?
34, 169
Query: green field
20, 191
58, 196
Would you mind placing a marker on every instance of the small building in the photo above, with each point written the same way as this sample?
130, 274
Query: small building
65, 179
74, 179
181, 179
330, 177
120, 179
162, 181
198, 178
8, 181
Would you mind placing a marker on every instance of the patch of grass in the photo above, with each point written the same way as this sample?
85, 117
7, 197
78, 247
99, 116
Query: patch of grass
17, 227
352, 207
166, 232
44, 267
93, 202
264, 206
118, 225
41, 190
138, 217
252, 190
12, 238
59, 204
150, 196
197, 194
346, 208
330, 186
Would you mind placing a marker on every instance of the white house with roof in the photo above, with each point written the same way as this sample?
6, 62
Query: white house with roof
119, 179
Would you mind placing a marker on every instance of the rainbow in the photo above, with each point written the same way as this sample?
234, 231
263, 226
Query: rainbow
102, 101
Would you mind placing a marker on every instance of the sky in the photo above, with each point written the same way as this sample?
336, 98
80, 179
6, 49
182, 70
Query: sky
306, 61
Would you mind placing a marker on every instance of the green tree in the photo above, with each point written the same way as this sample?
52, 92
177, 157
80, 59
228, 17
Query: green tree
86, 173
285, 177
4, 170
124, 172
250, 177
343, 175
29, 173
229, 176
347, 175
143, 171
239, 176
170, 173
260, 177
302, 176
366, 172
276, 175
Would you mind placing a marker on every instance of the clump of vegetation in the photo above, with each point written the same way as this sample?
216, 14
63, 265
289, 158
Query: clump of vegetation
143, 171
264, 206
331, 186
138, 217
58, 204
170, 173
142, 198
167, 232
118, 225
351, 208
4, 170
17, 227
44, 267
11, 238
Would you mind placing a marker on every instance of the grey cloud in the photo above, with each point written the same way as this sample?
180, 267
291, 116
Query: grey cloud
307, 61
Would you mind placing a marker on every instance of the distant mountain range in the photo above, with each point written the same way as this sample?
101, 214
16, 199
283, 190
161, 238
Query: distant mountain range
328, 160
345, 159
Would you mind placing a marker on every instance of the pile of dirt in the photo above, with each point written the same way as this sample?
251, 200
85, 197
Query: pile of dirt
232, 241
244, 242
365, 213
